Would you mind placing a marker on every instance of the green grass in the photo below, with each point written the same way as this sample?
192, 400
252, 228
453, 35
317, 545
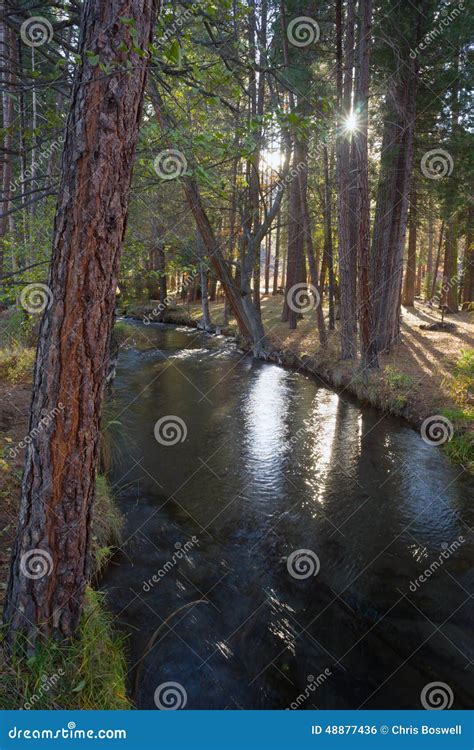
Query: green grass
87, 673
397, 380
90, 671
460, 448
106, 525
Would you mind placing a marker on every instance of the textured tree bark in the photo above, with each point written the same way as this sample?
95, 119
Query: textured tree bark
328, 260
346, 250
449, 296
409, 287
361, 160
392, 210
61, 460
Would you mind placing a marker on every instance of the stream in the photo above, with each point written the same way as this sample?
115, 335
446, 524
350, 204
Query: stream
275, 463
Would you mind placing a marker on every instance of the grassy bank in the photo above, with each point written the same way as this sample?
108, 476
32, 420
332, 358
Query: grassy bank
428, 373
89, 672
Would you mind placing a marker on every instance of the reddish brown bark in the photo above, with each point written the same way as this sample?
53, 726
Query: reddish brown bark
61, 460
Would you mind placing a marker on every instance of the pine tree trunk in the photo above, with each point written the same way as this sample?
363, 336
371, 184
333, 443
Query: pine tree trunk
361, 161
346, 249
59, 478
409, 287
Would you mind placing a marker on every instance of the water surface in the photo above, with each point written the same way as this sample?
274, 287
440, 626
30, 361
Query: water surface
275, 462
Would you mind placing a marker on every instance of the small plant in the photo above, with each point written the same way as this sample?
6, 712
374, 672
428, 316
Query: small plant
397, 380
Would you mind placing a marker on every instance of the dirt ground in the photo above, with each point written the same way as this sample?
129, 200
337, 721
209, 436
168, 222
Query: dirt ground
14, 415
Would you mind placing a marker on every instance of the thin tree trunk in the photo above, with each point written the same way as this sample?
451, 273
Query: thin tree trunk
437, 262
50, 560
409, 287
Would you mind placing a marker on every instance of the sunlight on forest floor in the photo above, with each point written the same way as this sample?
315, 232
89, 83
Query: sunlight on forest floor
421, 366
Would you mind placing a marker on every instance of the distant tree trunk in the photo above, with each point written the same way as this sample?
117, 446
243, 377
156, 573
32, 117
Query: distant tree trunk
362, 202
295, 273
276, 268
437, 262
328, 259
268, 249
410, 272
6, 45
449, 297
429, 265
420, 273
391, 212
468, 265
206, 318
346, 251
54, 534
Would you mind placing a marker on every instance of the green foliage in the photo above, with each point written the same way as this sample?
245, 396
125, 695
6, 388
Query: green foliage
397, 380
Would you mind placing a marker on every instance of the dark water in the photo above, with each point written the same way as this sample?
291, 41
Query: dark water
274, 462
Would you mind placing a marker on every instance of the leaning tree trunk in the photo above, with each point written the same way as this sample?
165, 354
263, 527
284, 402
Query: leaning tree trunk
50, 566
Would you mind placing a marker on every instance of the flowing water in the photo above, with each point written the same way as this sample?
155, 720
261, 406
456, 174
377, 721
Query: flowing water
274, 462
